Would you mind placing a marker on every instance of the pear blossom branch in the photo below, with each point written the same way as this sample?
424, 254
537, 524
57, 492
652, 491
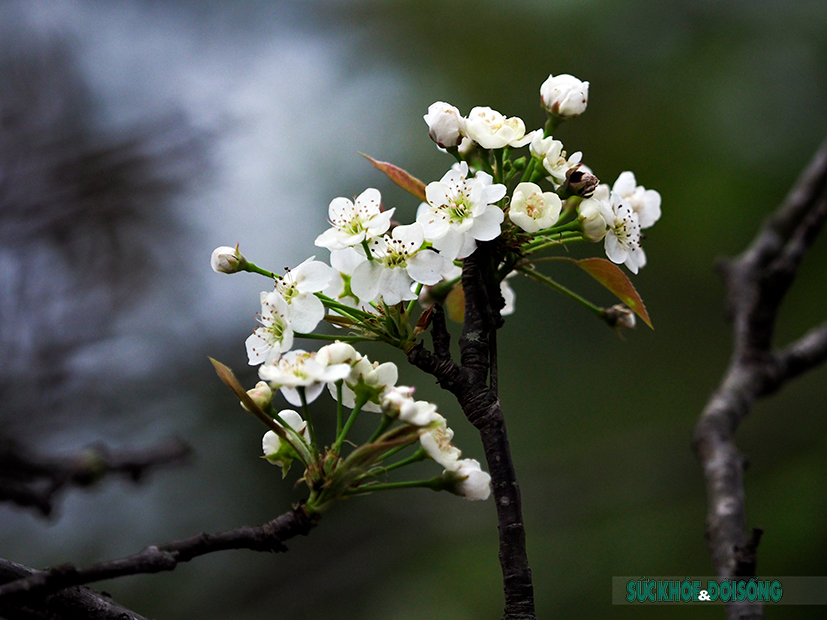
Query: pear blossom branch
479, 402
154, 559
757, 281
30, 479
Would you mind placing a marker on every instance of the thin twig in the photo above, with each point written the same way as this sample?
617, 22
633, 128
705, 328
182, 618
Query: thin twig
155, 559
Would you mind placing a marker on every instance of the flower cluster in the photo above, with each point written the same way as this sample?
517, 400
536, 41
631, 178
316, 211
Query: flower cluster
517, 208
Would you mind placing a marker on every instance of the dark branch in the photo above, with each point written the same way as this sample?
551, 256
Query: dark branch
155, 559
757, 281
479, 402
78, 603
30, 479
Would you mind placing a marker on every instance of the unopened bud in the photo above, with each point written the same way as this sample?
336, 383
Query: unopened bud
261, 395
619, 316
444, 124
564, 95
581, 182
227, 260
590, 215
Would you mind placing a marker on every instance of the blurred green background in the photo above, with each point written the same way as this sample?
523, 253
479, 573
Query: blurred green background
716, 104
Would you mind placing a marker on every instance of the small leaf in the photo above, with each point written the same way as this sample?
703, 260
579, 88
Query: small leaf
227, 376
611, 276
424, 321
399, 176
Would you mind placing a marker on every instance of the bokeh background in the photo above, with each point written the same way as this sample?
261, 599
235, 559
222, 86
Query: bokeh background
137, 136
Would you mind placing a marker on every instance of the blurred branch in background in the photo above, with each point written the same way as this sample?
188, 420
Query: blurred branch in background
757, 281
76, 603
86, 229
31, 479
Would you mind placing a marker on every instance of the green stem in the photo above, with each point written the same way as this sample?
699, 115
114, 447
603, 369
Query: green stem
340, 409
419, 455
330, 337
357, 407
498, 157
436, 484
392, 451
529, 170
308, 419
253, 268
354, 313
411, 305
384, 423
561, 289
367, 249
301, 449
542, 244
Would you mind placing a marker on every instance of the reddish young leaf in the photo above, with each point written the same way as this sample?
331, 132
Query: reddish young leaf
611, 276
402, 178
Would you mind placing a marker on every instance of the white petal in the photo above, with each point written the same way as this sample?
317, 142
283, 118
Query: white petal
305, 313
365, 281
426, 267
487, 226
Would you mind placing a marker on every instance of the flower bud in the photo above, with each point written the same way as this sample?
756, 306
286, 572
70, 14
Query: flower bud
261, 395
227, 260
444, 124
564, 95
619, 316
581, 182
592, 220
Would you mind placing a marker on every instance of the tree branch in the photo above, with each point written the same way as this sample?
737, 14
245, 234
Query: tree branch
478, 399
78, 603
757, 281
33, 480
155, 559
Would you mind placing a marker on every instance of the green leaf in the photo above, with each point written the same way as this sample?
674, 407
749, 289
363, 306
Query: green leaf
402, 178
611, 276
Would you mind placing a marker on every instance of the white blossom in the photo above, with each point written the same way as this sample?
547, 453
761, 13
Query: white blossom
469, 480
278, 452
398, 402
461, 211
557, 165
590, 215
298, 287
374, 378
299, 368
622, 242
492, 130
398, 262
445, 124
564, 95
353, 223
532, 209
344, 263
644, 202
436, 441
266, 344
